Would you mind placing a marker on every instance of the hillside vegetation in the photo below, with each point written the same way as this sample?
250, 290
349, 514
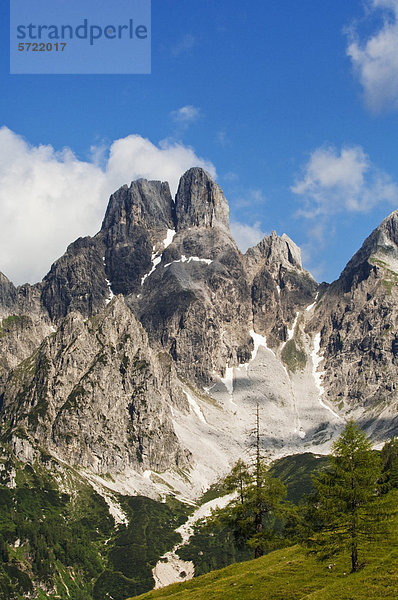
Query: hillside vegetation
292, 574
66, 545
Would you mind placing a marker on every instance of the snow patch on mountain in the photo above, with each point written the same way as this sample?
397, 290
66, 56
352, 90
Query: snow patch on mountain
311, 306
111, 294
108, 283
169, 238
259, 341
290, 332
184, 259
195, 407
157, 256
317, 358
228, 379
155, 261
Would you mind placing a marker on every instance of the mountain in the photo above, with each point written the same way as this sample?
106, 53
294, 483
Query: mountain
357, 319
135, 367
147, 346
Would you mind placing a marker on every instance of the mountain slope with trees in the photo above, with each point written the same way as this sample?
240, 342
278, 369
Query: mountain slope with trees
292, 574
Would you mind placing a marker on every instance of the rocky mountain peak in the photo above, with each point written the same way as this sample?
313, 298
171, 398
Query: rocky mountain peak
200, 202
3, 278
390, 224
379, 250
274, 252
281, 249
144, 203
387, 235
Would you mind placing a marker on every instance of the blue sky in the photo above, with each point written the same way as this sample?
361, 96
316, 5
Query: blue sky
293, 105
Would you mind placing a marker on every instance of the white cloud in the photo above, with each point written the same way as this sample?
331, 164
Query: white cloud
375, 59
134, 156
335, 181
49, 198
186, 114
246, 236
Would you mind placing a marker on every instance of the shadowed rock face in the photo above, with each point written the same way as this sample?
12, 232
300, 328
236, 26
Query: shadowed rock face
197, 305
358, 318
120, 253
146, 204
8, 294
76, 281
134, 224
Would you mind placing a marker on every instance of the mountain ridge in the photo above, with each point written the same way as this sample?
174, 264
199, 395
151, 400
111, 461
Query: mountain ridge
219, 330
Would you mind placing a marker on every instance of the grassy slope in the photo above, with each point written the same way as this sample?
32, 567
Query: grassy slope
296, 473
290, 574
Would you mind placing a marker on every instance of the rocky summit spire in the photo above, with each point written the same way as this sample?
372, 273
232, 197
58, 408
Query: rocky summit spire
144, 204
281, 250
200, 202
379, 250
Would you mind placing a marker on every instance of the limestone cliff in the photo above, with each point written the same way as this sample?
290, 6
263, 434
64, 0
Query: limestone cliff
357, 317
97, 396
164, 376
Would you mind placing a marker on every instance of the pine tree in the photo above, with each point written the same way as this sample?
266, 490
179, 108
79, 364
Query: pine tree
345, 510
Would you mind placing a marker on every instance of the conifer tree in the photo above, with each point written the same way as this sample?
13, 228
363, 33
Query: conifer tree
345, 510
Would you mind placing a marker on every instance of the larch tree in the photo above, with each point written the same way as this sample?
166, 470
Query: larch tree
345, 509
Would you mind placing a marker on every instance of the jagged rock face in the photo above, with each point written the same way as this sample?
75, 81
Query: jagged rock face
200, 202
183, 289
119, 255
8, 295
195, 294
358, 318
197, 304
20, 335
278, 252
99, 390
18, 300
95, 394
279, 286
135, 221
76, 281
24, 323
